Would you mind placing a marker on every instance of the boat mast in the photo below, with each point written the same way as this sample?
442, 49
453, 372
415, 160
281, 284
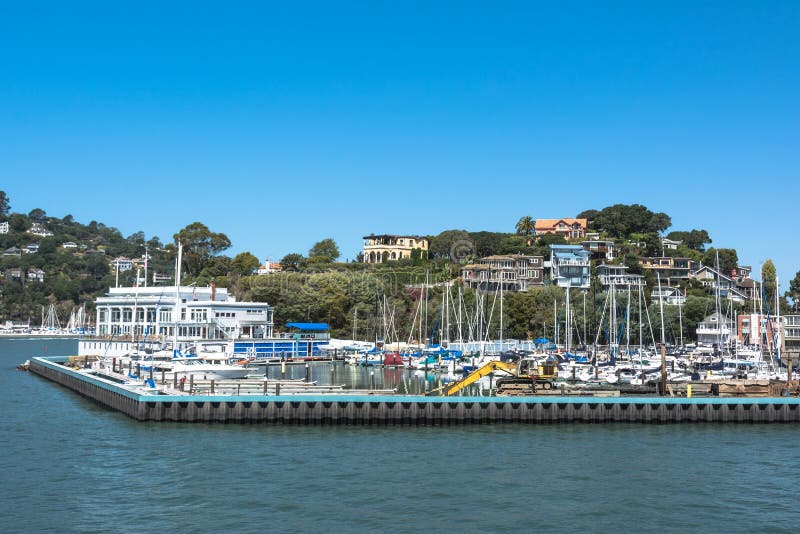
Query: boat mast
501, 311
135, 307
177, 311
568, 330
661, 311
628, 322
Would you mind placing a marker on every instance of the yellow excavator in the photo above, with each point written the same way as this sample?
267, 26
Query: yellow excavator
530, 372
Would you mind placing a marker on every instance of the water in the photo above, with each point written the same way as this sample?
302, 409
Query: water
69, 465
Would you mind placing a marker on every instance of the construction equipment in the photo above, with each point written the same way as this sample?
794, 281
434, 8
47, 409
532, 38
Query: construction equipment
528, 372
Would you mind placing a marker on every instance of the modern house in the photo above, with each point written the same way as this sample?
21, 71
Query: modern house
755, 329
513, 272
4, 227
569, 266
121, 264
599, 250
14, 273
12, 251
791, 334
714, 281
617, 277
35, 275
669, 244
39, 230
69, 245
387, 247
31, 248
672, 296
567, 228
671, 271
715, 330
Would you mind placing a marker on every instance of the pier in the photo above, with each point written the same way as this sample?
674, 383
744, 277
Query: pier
376, 408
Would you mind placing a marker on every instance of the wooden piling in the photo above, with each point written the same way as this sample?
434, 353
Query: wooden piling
212, 385
191, 383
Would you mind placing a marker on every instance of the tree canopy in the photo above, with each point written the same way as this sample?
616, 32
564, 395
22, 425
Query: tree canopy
694, 239
244, 264
199, 244
525, 226
622, 220
325, 250
728, 259
769, 278
5, 206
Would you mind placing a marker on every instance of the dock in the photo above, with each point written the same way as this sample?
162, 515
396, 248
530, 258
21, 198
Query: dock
377, 408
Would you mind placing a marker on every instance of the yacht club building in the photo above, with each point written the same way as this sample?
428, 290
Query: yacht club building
201, 313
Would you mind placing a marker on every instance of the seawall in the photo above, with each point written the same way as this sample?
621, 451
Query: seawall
415, 410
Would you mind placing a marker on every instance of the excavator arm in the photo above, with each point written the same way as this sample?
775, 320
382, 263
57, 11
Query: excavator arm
488, 368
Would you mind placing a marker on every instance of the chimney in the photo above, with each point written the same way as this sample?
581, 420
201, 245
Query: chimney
213, 290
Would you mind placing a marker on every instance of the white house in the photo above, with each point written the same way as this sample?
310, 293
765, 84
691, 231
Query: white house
4, 227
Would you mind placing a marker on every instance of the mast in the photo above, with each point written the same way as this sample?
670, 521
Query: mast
501, 311
641, 322
628, 322
177, 311
661, 310
555, 322
680, 322
135, 308
778, 319
355, 321
585, 341
460, 301
568, 330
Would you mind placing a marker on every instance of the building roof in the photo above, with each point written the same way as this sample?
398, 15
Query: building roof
411, 236
547, 224
308, 326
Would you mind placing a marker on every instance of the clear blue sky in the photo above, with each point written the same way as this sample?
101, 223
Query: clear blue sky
281, 124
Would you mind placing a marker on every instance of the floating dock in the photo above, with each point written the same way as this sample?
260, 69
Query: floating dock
413, 410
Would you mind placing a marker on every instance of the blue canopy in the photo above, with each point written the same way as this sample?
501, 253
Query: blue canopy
308, 326
541, 341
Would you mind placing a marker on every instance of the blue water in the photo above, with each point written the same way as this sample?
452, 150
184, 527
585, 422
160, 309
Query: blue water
69, 465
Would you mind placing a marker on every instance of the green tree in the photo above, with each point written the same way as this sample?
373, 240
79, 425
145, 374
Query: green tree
451, 245
728, 259
694, 239
18, 222
769, 277
37, 215
244, 263
200, 244
325, 250
525, 226
622, 220
794, 289
292, 262
5, 206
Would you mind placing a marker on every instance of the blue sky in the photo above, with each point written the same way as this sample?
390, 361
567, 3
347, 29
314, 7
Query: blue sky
281, 124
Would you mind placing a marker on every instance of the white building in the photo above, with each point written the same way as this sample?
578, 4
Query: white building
40, 230
4, 227
202, 313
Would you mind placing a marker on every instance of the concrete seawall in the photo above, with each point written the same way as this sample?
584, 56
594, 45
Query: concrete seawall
415, 410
